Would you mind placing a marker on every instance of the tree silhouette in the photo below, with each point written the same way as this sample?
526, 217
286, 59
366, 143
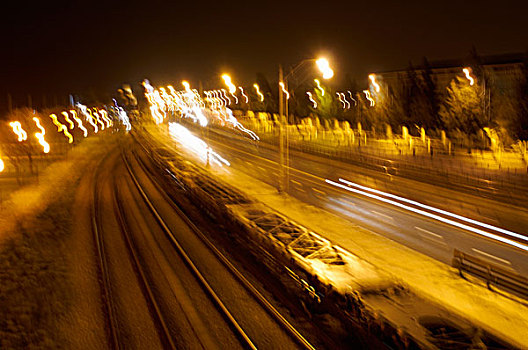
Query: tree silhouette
326, 102
463, 107
520, 130
431, 101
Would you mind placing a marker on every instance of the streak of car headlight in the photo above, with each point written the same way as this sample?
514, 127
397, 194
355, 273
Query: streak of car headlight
432, 216
195, 144
444, 212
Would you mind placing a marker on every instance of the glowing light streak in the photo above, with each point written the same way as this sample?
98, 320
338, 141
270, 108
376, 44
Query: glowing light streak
62, 128
90, 118
40, 135
213, 106
67, 134
224, 92
258, 92
98, 119
340, 99
42, 141
66, 117
2, 165
369, 97
186, 85
212, 99
123, 116
56, 122
467, 72
372, 78
246, 99
40, 127
437, 210
88, 115
104, 115
229, 83
319, 86
352, 98
324, 67
158, 117
195, 144
79, 123
230, 118
314, 104
432, 216
344, 99
283, 87
17, 129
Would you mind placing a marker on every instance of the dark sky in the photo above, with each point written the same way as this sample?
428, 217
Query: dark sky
82, 46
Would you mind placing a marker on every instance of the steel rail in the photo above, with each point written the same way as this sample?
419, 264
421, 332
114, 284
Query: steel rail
140, 272
109, 307
294, 333
243, 337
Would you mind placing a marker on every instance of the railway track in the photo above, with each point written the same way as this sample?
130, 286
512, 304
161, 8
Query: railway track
109, 299
118, 332
263, 303
109, 308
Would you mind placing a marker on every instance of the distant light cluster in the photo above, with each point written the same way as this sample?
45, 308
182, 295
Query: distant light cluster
189, 104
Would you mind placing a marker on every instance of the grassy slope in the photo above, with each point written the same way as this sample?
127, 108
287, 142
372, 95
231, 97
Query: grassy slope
34, 287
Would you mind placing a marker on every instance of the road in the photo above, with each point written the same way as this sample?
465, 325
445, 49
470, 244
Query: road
307, 176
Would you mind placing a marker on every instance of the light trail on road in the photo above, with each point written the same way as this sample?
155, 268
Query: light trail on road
432, 216
195, 144
460, 217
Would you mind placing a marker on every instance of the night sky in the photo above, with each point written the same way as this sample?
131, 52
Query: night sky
57, 47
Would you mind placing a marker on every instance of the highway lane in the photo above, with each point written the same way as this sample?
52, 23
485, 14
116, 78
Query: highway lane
307, 183
499, 189
483, 209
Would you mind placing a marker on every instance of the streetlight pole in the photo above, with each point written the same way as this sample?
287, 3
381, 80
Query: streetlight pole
324, 67
281, 186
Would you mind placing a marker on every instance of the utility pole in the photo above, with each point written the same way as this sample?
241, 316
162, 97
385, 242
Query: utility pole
287, 140
281, 138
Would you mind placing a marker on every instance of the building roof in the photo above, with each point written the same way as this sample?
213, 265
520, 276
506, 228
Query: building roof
490, 60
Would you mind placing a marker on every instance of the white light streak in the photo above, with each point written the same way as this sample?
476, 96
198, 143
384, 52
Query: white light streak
195, 144
432, 216
428, 207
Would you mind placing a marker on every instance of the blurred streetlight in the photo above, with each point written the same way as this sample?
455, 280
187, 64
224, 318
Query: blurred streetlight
369, 97
314, 104
257, 88
324, 67
246, 98
232, 88
467, 71
229, 83
372, 78
283, 87
186, 85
